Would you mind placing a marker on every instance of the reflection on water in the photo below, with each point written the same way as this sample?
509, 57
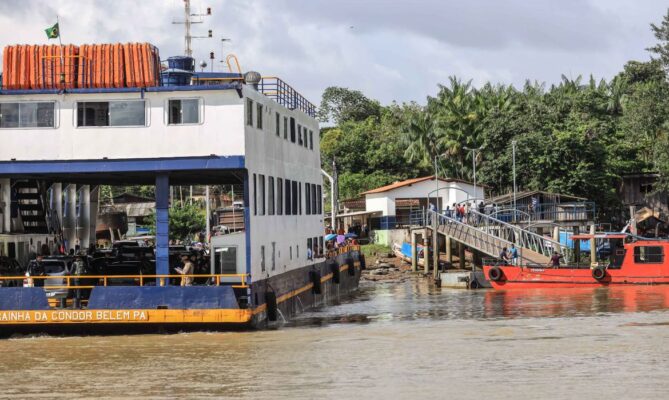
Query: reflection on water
404, 340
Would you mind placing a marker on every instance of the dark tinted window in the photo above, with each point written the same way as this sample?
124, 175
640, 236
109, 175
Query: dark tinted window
648, 254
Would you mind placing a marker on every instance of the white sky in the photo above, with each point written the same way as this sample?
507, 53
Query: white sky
389, 49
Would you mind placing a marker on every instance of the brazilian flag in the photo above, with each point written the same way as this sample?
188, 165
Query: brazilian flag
53, 32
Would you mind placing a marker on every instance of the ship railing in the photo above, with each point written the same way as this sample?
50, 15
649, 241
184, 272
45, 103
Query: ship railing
284, 94
72, 281
342, 250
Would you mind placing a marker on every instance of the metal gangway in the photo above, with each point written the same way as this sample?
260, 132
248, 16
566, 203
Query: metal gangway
489, 236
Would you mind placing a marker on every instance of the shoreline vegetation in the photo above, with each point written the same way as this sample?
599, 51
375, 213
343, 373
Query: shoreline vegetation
578, 137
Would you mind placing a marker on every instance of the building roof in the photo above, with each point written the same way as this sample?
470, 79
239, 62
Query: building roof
126, 197
410, 182
507, 198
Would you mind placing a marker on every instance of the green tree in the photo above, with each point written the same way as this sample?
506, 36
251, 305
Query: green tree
185, 221
340, 105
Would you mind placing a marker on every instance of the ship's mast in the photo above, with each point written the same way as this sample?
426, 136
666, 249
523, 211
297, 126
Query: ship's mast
187, 22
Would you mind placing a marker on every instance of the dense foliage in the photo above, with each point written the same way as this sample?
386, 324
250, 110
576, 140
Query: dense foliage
577, 137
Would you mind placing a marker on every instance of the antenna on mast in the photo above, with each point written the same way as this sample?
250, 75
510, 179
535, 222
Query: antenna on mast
187, 22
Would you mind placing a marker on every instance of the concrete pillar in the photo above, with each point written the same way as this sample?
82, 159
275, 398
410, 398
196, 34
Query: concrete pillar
94, 207
5, 206
556, 233
70, 217
449, 250
84, 217
593, 243
577, 245
461, 255
162, 226
426, 251
414, 251
57, 201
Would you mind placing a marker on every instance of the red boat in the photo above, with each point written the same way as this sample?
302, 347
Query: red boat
632, 261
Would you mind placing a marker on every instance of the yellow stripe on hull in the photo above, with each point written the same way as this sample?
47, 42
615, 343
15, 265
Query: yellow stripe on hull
223, 316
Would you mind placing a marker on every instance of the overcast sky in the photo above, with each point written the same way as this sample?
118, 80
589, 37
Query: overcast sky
389, 49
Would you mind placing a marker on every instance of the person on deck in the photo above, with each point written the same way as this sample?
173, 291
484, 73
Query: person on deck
504, 256
513, 251
188, 269
555, 260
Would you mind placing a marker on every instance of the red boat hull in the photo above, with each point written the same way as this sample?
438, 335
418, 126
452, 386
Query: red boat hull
515, 277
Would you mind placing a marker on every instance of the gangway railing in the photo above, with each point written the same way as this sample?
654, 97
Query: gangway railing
520, 237
477, 238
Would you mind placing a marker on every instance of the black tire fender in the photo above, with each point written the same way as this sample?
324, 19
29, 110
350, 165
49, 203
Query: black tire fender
336, 273
315, 279
351, 266
272, 307
599, 273
495, 274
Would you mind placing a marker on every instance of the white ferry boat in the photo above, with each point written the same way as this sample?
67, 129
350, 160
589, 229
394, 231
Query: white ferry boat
71, 125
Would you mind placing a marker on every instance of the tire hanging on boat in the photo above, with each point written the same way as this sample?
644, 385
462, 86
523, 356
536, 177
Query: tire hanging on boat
336, 273
495, 274
315, 278
599, 273
351, 266
272, 307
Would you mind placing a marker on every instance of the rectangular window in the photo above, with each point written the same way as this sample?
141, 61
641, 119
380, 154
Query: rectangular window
297, 251
262, 258
270, 195
320, 200
648, 254
278, 125
249, 112
299, 134
273, 256
183, 111
299, 198
279, 196
291, 252
292, 129
255, 195
295, 198
320, 245
314, 199
289, 201
285, 128
111, 113
307, 198
28, 115
225, 260
309, 247
311, 139
259, 116
261, 183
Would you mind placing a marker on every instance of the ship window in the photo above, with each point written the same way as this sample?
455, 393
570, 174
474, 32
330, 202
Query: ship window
28, 115
311, 139
279, 196
249, 112
299, 134
648, 254
285, 128
278, 125
255, 196
299, 198
270, 195
273, 256
259, 116
225, 260
295, 198
297, 251
111, 113
321, 244
288, 202
183, 111
262, 258
291, 252
261, 193
320, 200
309, 248
314, 199
292, 129
307, 197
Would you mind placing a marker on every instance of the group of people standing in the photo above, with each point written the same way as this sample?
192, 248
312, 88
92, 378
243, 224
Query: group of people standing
509, 255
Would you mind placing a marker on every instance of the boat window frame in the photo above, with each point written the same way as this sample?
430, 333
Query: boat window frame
147, 114
249, 112
259, 116
637, 255
56, 113
200, 111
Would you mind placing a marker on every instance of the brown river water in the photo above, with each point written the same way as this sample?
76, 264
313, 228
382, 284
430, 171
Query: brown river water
391, 341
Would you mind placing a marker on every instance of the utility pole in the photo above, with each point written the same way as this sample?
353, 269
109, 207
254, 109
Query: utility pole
513, 150
474, 150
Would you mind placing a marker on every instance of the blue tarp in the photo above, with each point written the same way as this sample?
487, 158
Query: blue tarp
565, 239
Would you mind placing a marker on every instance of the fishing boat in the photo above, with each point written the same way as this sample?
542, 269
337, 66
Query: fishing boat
628, 260
74, 118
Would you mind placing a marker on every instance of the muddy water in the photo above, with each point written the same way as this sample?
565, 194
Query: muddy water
392, 341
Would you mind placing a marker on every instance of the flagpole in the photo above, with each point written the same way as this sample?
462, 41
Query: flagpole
62, 57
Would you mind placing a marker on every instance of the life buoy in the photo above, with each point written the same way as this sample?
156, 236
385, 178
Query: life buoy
270, 301
336, 273
495, 274
315, 278
599, 273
